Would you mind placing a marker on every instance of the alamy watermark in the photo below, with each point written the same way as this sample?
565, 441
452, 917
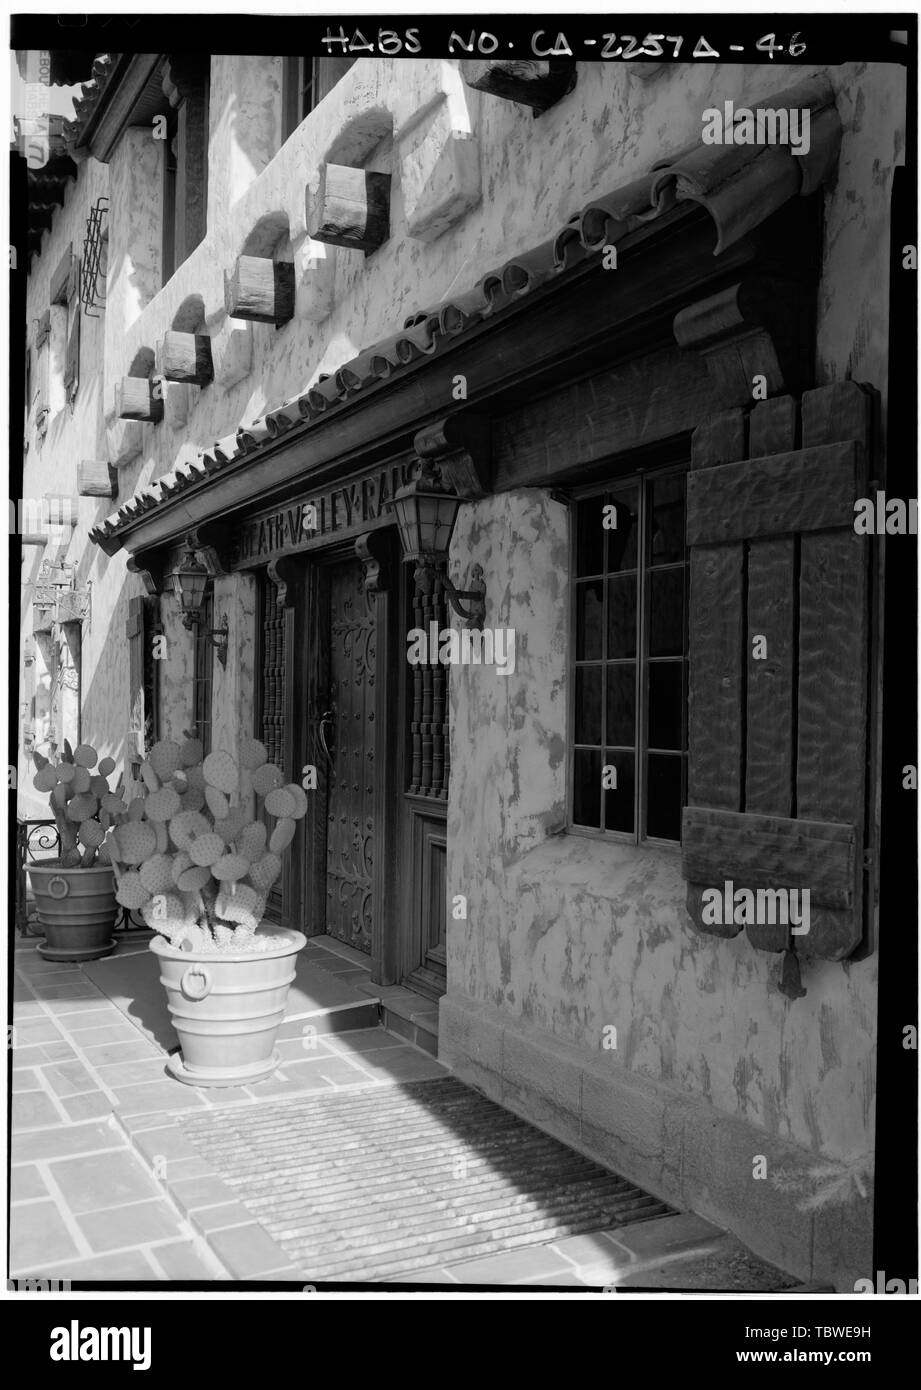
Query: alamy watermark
756, 907
469, 647
762, 125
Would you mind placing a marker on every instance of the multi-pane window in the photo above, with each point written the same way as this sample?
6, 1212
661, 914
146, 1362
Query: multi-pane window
628, 768
204, 670
307, 82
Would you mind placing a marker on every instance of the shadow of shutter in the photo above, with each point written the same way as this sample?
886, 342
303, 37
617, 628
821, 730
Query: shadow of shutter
778, 746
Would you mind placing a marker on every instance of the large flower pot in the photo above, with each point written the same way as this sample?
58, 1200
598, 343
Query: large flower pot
76, 908
227, 1007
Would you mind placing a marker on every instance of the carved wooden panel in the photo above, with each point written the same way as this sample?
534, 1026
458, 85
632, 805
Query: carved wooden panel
348, 731
273, 675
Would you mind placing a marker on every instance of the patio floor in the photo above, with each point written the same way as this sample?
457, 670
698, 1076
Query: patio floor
121, 1173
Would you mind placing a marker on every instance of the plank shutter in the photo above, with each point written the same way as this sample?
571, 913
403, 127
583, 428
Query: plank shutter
142, 627
778, 746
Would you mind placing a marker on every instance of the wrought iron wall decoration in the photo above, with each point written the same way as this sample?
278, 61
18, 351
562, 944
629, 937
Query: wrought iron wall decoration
92, 279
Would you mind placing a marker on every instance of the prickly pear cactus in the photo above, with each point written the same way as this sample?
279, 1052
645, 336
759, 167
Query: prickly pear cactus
189, 850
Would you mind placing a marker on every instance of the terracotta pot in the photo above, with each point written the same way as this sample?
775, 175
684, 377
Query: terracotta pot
76, 908
227, 1007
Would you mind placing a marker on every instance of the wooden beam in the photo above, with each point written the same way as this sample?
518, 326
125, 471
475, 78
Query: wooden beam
185, 357
352, 208
538, 83
136, 398
96, 478
769, 852
460, 445
260, 290
802, 491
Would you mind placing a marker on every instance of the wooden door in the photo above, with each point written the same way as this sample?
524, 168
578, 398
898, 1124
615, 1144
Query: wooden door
345, 735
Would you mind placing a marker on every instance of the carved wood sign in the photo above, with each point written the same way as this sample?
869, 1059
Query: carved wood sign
307, 522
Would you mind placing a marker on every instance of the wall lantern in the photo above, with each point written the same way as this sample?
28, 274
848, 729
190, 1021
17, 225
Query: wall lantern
188, 581
425, 513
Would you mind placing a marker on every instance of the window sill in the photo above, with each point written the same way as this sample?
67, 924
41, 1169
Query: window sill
606, 869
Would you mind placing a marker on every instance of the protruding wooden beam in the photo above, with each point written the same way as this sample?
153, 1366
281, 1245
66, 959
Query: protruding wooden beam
461, 446
538, 83
138, 398
185, 357
351, 208
260, 290
95, 478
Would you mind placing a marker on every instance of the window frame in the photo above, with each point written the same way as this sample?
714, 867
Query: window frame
641, 477
203, 670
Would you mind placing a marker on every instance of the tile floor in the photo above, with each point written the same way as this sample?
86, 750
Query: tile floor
106, 1187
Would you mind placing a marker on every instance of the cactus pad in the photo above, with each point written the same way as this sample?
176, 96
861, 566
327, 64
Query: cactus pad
206, 849
165, 758
221, 772
266, 778
131, 892
187, 827
280, 803
85, 755
252, 839
230, 867
163, 805
82, 807
157, 873
218, 804
252, 754
282, 835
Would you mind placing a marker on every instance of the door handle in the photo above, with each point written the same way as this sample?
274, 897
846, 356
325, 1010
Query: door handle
327, 717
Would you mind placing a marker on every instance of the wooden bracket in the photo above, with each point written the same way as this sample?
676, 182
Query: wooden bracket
351, 208
373, 550
460, 444
538, 83
203, 541
139, 398
758, 327
283, 574
185, 357
260, 290
149, 570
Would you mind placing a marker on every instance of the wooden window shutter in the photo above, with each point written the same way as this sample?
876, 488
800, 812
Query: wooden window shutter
142, 627
778, 746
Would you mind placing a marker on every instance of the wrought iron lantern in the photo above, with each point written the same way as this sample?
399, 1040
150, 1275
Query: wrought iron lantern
188, 581
425, 513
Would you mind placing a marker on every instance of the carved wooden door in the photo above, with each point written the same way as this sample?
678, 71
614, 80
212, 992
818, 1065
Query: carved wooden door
346, 736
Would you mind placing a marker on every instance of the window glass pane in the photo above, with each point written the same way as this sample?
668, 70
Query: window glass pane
621, 703
666, 612
665, 695
589, 608
618, 801
622, 616
667, 519
663, 809
586, 787
588, 705
590, 536
622, 538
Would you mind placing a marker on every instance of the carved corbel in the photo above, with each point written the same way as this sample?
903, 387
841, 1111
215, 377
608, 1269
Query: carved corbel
760, 327
203, 543
460, 445
373, 550
149, 570
283, 574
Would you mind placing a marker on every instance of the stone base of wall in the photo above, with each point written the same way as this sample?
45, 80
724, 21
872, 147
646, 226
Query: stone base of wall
677, 1146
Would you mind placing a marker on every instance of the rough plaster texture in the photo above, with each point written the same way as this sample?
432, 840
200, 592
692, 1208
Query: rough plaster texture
567, 936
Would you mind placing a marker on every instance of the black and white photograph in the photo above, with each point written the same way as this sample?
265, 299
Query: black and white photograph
463, 776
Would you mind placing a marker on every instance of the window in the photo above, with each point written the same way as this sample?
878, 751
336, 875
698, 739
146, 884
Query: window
628, 768
203, 679
181, 124
307, 82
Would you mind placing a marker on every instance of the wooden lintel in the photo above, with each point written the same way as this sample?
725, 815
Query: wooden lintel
138, 398
185, 357
352, 208
538, 83
260, 290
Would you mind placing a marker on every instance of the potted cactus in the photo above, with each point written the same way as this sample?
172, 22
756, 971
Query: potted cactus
191, 854
75, 893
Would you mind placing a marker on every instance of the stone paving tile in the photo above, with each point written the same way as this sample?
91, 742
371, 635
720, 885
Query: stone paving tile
116, 1227
297, 1084
175, 1169
217, 1218
130, 1073
36, 1030
194, 1193
32, 1110
181, 1260
423, 1276
247, 1250
91, 1106
402, 1064
93, 1138
510, 1266
364, 1040
153, 1095
27, 1008
90, 1185
117, 1037
166, 1142
40, 1053
65, 998
69, 1079
558, 1281
38, 1235
294, 1049
666, 1234
85, 1019
597, 1248
87, 1001
339, 1070
26, 1079
26, 1182
125, 1264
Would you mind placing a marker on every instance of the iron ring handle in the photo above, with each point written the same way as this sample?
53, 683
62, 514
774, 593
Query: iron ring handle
65, 887
185, 984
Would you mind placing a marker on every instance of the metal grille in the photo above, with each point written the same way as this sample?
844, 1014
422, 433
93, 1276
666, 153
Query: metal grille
430, 745
92, 279
273, 675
